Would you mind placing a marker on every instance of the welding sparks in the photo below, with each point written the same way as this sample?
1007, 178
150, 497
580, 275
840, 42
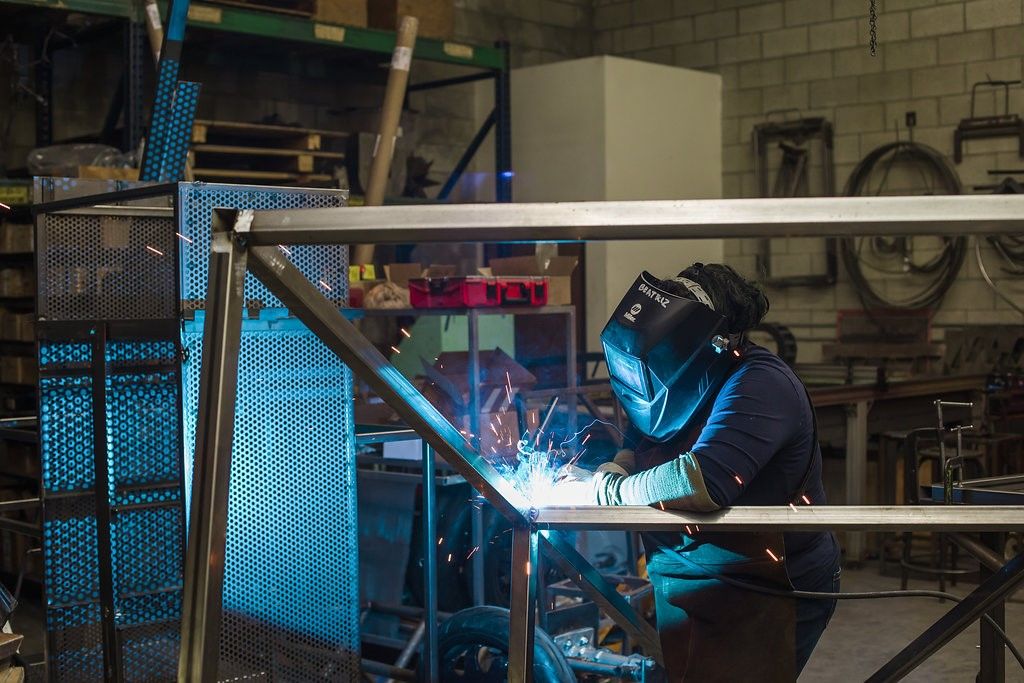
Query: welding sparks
793, 506
183, 238
738, 480
772, 555
395, 349
154, 250
661, 504
449, 558
585, 439
472, 552
805, 499
687, 527
326, 286
284, 249
405, 332
4, 206
440, 540
527, 568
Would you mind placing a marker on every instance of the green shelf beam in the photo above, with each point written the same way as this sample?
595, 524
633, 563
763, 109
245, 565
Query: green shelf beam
281, 26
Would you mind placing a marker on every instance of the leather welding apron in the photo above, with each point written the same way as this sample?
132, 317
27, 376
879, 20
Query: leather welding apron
711, 631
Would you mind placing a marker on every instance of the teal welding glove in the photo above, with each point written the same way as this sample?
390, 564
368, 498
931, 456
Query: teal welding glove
678, 485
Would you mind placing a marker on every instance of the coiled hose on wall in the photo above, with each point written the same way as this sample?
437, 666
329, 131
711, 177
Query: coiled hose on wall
943, 268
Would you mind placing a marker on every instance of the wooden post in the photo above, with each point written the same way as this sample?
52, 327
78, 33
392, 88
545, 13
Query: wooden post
391, 113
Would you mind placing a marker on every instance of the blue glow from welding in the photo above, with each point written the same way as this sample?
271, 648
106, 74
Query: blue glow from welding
507, 174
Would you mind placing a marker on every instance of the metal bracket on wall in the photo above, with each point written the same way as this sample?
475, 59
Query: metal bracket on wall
794, 137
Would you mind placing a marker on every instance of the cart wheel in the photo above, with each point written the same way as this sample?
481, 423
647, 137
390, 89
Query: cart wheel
453, 528
473, 647
498, 561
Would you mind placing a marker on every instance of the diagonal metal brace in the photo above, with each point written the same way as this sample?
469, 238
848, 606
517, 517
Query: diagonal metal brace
322, 317
991, 592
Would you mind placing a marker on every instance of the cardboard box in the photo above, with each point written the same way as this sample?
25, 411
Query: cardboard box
558, 270
346, 12
436, 17
16, 238
401, 273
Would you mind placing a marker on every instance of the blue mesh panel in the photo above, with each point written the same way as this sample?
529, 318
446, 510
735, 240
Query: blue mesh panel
291, 582
77, 640
196, 202
160, 119
70, 552
147, 547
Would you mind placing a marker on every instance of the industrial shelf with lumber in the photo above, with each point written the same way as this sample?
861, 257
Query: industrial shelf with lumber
280, 26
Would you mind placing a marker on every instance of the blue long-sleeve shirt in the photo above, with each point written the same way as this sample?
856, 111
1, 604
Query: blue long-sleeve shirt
754, 449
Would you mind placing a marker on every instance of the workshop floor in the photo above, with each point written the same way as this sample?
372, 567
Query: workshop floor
864, 634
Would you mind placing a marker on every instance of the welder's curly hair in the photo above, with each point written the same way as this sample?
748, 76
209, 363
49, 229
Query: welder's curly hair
742, 302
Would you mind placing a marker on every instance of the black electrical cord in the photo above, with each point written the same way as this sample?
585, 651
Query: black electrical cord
866, 595
943, 268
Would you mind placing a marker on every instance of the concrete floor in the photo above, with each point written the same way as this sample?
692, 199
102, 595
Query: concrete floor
864, 634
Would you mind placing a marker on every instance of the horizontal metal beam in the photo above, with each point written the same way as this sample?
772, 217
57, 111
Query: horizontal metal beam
803, 518
675, 219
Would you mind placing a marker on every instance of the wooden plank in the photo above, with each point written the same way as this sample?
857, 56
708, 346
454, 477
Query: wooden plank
267, 129
298, 8
259, 175
265, 151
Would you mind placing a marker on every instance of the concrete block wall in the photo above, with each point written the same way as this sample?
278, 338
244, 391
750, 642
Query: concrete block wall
812, 55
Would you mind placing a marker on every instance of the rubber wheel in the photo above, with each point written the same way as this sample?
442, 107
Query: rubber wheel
454, 525
473, 647
498, 561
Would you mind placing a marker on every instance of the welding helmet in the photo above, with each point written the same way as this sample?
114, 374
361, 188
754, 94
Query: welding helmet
667, 354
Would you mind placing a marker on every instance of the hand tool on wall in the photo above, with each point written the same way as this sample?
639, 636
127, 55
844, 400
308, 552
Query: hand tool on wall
391, 112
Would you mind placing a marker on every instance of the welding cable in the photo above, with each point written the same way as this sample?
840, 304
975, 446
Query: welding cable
943, 268
988, 280
866, 595
1011, 248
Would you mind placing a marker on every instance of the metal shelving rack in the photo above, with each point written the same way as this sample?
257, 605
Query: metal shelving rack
492, 63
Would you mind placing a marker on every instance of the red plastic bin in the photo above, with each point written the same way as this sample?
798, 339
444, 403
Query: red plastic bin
454, 292
524, 291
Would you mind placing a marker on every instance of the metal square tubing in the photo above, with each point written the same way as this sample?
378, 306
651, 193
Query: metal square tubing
523, 603
675, 219
204, 558
991, 593
321, 316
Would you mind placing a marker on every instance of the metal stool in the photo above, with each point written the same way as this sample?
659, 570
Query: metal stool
913, 457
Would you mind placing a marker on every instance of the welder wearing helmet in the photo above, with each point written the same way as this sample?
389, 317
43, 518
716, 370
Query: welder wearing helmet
717, 421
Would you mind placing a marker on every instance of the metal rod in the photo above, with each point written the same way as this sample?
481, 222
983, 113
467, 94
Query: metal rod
467, 156
584, 575
20, 504
410, 649
985, 555
798, 518
522, 603
379, 669
991, 592
503, 127
457, 80
992, 649
476, 514
111, 649
204, 559
672, 219
322, 317
429, 507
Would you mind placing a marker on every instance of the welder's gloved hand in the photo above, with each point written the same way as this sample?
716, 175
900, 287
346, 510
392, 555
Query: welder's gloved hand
677, 484
624, 463
574, 486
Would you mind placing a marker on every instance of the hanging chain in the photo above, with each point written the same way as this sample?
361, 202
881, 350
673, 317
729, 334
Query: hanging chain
873, 27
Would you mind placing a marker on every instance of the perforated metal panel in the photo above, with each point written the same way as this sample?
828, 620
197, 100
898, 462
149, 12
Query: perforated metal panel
144, 498
291, 589
117, 267
324, 265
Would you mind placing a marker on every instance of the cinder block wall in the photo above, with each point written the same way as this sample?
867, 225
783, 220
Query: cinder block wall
813, 55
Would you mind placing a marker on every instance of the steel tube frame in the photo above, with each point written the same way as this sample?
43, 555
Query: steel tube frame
674, 219
238, 244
